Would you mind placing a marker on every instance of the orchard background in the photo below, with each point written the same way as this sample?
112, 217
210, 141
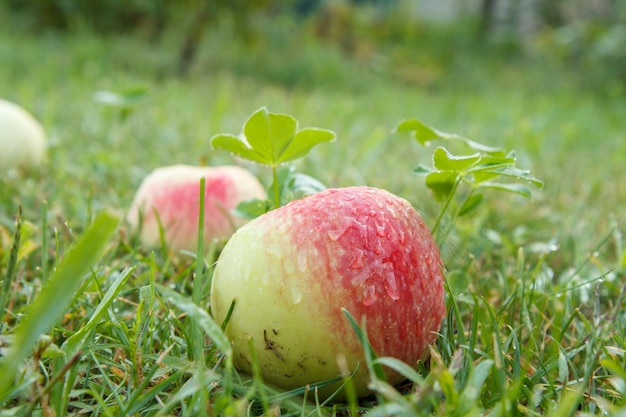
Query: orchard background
536, 321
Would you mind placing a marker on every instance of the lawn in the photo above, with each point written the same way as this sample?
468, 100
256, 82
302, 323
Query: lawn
536, 321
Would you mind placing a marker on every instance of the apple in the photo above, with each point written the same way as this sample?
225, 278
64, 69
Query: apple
293, 269
169, 197
22, 138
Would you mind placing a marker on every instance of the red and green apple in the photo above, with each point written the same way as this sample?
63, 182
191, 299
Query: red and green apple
169, 197
293, 269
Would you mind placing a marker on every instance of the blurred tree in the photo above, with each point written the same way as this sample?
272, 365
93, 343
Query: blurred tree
208, 12
192, 18
335, 23
487, 16
550, 12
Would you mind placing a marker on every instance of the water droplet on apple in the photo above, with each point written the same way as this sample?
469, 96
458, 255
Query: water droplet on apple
296, 295
302, 261
348, 197
283, 228
346, 224
391, 286
336, 234
265, 279
379, 247
369, 295
289, 266
275, 250
358, 259
245, 278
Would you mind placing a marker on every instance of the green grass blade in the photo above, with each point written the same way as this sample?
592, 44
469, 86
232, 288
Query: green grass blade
78, 340
44, 241
196, 335
53, 299
200, 316
74, 342
375, 368
6, 283
400, 367
471, 393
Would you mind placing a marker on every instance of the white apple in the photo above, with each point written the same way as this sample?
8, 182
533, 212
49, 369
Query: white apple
292, 270
169, 197
22, 138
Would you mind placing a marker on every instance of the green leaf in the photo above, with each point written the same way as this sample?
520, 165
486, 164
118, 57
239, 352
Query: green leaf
296, 185
444, 160
520, 174
441, 183
236, 146
251, 209
495, 160
303, 141
271, 139
483, 175
471, 204
125, 99
303, 185
510, 188
480, 147
293, 185
269, 133
54, 298
422, 132
423, 170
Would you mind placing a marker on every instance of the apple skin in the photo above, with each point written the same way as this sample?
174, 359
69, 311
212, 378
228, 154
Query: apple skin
293, 269
22, 138
174, 193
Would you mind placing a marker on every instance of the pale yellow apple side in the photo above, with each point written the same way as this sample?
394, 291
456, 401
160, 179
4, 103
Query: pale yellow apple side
282, 309
22, 138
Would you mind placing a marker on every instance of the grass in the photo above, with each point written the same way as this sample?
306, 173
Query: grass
536, 322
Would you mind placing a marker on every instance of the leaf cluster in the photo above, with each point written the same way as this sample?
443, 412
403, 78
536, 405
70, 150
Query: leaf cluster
485, 168
482, 169
273, 139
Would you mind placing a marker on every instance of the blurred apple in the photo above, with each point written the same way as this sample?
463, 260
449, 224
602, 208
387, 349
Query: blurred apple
293, 269
170, 197
22, 138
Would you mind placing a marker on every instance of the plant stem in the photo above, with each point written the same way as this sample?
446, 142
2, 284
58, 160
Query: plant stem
445, 206
276, 190
443, 235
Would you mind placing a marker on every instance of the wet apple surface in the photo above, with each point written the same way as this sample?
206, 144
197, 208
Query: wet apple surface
292, 270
